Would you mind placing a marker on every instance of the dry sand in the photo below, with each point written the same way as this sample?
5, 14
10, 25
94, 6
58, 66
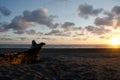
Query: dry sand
65, 65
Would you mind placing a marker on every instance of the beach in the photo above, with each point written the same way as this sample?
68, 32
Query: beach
65, 64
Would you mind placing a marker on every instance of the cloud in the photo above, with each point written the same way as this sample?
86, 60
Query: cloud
116, 10
6, 39
20, 23
85, 10
58, 33
67, 34
69, 26
81, 39
2, 30
53, 32
118, 22
38, 16
29, 32
5, 11
32, 31
3, 27
47, 38
22, 38
105, 37
55, 25
78, 34
109, 18
97, 30
105, 21
19, 32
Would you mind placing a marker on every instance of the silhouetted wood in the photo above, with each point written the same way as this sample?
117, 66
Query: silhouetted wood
28, 56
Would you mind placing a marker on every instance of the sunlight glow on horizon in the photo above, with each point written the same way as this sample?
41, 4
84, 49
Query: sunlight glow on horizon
115, 41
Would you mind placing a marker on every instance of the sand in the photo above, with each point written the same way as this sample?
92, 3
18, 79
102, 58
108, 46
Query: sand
65, 64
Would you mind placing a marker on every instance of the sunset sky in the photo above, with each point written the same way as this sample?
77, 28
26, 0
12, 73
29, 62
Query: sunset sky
59, 21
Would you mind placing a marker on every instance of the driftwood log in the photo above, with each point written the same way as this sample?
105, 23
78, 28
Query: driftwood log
28, 56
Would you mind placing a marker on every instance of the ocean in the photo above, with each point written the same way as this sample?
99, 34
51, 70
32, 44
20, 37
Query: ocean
57, 46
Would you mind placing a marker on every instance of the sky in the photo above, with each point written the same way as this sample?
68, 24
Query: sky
59, 21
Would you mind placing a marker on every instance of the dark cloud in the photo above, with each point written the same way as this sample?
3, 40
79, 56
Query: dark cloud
19, 32
32, 31
59, 33
78, 34
6, 39
6, 35
116, 10
53, 16
118, 22
105, 21
69, 26
108, 19
109, 14
47, 38
53, 32
67, 34
85, 10
22, 38
2, 30
18, 23
97, 30
55, 25
21, 23
3, 27
5, 11
40, 34
61, 0
39, 16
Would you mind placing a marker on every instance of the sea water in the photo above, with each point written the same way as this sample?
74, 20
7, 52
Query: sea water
56, 46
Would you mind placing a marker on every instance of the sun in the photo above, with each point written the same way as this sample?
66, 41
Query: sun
115, 41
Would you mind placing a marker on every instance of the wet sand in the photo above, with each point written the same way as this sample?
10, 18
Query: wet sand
65, 64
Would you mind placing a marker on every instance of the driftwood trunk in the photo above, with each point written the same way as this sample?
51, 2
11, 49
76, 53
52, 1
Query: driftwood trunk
29, 56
